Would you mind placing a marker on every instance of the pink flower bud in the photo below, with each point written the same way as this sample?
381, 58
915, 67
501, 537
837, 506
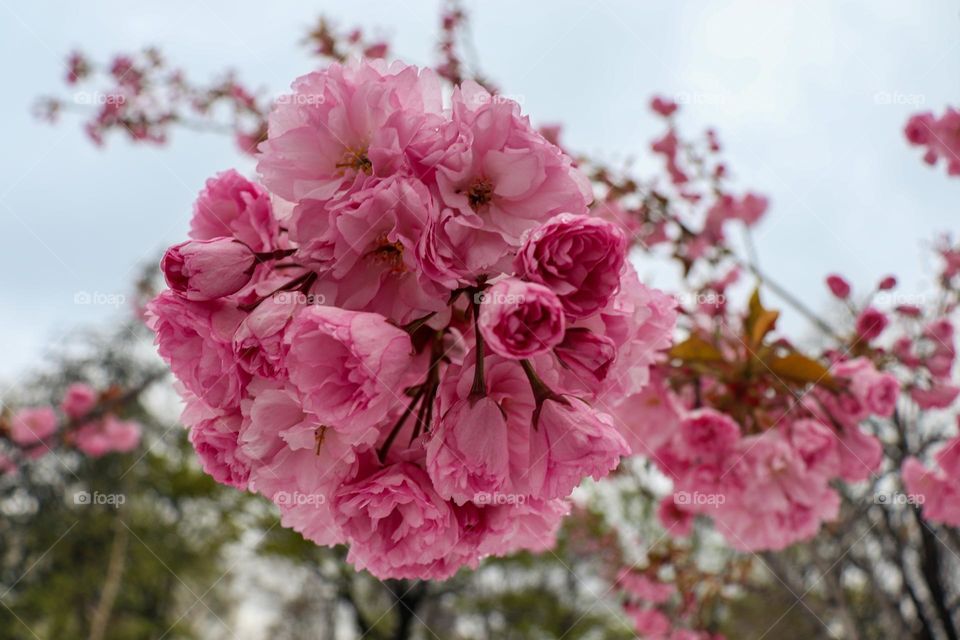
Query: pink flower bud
887, 283
871, 323
78, 401
664, 106
587, 354
578, 257
838, 286
521, 319
30, 426
208, 269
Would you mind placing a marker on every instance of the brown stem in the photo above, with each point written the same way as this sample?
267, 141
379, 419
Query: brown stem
541, 392
385, 447
479, 388
111, 583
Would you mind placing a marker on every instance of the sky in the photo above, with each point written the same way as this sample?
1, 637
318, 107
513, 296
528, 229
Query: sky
809, 99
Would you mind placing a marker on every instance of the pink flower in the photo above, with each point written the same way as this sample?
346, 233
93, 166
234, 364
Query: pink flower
78, 400
934, 490
105, 436
451, 252
208, 269
578, 257
640, 321
396, 523
195, 339
33, 425
467, 454
938, 396
232, 206
350, 367
640, 586
344, 124
948, 457
213, 435
530, 524
887, 283
502, 174
364, 243
860, 454
298, 463
870, 324
677, 521
707, 434
877, 392
817, 445
650, 623
919, 127
572, 441
520, 319
259, 340
780, 503
587, 356
649, 418
839, 287
749, 209
664, 106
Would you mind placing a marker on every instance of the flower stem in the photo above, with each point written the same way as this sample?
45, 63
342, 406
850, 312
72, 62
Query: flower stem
479, 389
385, 447
541, 392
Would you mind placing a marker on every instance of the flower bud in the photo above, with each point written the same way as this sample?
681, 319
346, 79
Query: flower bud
208, 269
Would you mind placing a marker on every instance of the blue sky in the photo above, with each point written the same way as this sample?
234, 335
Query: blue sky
809, 99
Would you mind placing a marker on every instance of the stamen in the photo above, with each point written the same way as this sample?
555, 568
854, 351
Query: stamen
480, 194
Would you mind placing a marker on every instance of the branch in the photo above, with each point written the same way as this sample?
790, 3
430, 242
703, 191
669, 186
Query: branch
111, 583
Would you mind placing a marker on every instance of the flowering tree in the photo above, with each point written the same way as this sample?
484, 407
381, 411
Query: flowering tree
419, 330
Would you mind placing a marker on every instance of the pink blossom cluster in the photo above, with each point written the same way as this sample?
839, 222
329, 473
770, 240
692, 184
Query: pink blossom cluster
140, 97
763, 488
938, 136
411, 337
689, 212
929, 354
82, 423
645, 601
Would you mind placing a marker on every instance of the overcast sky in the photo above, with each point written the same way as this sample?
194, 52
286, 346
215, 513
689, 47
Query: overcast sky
809, 99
